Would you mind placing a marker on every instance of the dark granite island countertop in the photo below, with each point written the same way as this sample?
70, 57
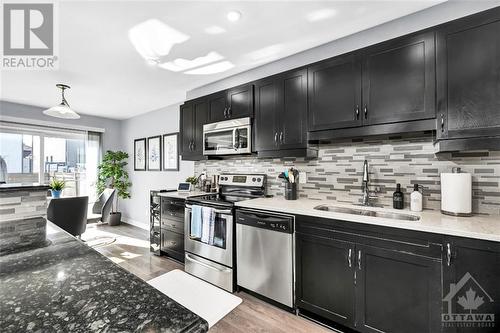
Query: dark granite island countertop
69, 287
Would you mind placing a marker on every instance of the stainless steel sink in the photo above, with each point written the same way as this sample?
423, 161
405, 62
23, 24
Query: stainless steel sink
367, 212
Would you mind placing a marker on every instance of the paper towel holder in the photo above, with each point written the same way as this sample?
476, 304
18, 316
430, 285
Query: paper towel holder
455, 170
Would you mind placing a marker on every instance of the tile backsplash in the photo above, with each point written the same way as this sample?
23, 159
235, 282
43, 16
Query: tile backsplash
337, 171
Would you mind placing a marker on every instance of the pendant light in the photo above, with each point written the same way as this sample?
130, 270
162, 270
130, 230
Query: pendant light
62, 110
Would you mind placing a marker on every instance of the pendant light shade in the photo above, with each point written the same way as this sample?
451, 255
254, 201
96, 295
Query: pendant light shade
62, 110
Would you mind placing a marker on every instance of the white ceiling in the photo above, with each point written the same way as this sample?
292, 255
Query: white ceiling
110, 79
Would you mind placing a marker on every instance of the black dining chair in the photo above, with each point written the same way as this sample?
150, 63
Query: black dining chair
102, 207
69, 214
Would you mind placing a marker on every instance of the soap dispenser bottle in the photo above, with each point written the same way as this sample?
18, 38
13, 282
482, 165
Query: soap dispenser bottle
398, 201
416, 199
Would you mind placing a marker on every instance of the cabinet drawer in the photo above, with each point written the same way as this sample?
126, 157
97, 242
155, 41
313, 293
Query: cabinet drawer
172, 209
173, 225
172, 241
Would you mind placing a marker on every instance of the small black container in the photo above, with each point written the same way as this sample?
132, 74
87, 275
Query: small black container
291, 191
398, 201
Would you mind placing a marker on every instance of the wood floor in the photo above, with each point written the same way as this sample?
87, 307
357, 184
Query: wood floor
131, 251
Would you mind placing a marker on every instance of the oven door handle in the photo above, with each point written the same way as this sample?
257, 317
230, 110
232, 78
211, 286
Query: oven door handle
216, 211
188, 257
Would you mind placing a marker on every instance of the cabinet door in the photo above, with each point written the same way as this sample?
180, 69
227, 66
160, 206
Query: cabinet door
325, 277
266, 114
471, 273
334, 94
217, 109
397, 291
399, 80
468, 58
200, 118
292, 95
240, 102
186, 128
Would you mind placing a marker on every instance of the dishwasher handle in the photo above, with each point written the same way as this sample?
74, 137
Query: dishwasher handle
271, 222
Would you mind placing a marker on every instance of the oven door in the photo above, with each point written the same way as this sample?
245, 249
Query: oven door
227, 141
220, 249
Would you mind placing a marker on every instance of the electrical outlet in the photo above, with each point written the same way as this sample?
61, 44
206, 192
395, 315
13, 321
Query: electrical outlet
302, 177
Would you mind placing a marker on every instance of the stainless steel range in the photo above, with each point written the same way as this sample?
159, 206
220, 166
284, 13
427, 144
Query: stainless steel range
210, 251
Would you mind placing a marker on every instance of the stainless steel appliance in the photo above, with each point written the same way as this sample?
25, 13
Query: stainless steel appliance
213, 261
265, 255
227, 137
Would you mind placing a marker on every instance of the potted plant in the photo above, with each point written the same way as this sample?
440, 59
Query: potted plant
112, 174
56, 187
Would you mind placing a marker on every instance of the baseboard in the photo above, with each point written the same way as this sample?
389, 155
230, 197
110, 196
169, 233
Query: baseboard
135, 223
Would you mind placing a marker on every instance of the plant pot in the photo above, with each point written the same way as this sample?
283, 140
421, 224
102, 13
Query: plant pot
114, 218
56, 193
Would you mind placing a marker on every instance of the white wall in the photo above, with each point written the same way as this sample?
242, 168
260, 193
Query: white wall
166, 120
111, 139
432, 16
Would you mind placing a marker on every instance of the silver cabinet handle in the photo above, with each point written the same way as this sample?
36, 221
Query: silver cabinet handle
225, 112
357, 112
359, 259
276, 138
349, 259
281, 137
442, 123
229, 112
188, 257
448, 254
366, 112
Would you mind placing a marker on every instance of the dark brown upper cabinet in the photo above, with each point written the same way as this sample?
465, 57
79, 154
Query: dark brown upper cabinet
468, 77
399, 80
281, 112
233, 103
194, 114
335, 93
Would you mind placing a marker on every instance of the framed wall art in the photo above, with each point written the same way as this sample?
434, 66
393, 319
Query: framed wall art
154, 153
140, 154
171, 152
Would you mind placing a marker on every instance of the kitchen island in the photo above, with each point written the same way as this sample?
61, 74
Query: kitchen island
66, 286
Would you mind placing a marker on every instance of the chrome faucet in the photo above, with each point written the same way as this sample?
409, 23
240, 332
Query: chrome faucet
366, 192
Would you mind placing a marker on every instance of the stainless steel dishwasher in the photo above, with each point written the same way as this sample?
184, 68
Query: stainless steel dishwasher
265, 262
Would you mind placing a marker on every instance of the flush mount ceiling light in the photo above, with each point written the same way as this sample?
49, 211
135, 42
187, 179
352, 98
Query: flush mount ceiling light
233, 16
214, 30
153, 39
62, 110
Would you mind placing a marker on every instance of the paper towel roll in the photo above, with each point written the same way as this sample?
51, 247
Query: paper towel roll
456, 194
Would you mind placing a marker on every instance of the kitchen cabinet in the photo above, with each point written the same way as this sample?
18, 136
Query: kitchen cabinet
193, 116
233, 103
390, 85
397, 291
399, 80
325, 277
468, 77
367, 278
172, 228
335, 93
281, 113
471, 271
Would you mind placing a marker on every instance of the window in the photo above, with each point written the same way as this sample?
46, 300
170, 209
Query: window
39, 154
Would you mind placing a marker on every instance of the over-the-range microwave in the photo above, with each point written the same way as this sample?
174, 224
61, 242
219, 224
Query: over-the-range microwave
228, 137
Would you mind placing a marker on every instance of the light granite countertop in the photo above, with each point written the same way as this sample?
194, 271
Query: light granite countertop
477, 226
181, 195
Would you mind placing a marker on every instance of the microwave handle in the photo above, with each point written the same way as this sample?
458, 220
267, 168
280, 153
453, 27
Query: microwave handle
236, 138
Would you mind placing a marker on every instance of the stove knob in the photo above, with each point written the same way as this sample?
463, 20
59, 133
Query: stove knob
254, 179
258, 179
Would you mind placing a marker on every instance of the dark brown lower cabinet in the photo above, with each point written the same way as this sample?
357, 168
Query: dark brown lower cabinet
172, 228
397, 291
325, 277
